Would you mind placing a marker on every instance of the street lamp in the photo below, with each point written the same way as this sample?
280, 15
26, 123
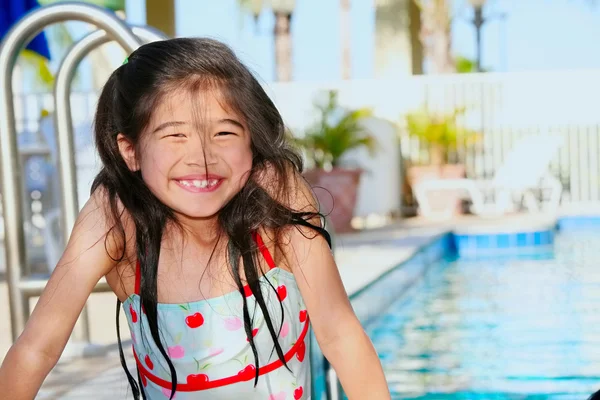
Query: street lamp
478, 21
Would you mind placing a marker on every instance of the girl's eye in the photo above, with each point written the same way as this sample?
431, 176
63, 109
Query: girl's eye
225, 133
177, 135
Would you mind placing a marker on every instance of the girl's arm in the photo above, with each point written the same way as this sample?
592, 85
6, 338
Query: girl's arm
337, 329
83, 263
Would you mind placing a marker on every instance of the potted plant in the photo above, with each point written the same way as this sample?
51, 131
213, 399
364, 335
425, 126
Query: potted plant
336, 132
443, 135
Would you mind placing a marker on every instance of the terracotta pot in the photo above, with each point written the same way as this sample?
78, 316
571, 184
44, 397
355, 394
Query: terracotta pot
446, 198
337, 192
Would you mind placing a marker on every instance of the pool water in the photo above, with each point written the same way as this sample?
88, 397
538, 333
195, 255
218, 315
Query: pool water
513, 328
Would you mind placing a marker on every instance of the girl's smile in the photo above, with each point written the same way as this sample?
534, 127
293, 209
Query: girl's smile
200, 183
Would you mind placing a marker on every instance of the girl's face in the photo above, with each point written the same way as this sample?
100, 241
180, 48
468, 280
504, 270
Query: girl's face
195, 155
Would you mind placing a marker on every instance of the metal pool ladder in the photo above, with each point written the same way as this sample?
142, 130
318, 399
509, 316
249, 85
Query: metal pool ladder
20, 286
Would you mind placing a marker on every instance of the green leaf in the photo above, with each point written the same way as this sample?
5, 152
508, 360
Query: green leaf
178, 337
440, 130
336, 132
205, 366
183, 307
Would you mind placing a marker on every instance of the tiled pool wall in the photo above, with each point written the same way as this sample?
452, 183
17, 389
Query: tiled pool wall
578, 222
519, 241
498, 244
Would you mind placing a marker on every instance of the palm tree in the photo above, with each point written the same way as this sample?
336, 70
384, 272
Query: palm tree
283, 10
436, 35
398, 49
346, 39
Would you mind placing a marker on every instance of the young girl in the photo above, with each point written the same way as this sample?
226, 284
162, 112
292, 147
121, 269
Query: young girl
206, 232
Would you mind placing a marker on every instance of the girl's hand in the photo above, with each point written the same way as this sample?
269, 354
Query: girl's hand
85, 260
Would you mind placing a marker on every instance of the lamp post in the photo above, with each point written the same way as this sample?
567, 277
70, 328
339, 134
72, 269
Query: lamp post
283, 10
478, 21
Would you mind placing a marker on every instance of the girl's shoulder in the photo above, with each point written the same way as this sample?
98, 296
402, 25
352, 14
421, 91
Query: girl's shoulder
106, 219
293, 191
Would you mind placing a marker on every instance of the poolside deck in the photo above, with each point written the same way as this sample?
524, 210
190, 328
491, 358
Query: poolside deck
361, 257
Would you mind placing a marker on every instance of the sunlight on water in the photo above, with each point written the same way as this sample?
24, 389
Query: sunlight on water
498, 329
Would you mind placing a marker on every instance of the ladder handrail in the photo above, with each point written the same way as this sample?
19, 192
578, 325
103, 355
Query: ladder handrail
13, 42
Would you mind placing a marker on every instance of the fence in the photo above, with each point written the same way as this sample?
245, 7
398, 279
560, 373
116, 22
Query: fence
506, 107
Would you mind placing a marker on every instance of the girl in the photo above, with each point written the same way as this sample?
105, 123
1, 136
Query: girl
208, 236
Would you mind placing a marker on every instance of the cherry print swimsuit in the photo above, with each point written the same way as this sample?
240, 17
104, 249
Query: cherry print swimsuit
207, 343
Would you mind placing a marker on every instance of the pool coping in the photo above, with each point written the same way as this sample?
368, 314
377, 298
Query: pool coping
414, 252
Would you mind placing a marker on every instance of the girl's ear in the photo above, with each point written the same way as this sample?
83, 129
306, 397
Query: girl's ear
127, 150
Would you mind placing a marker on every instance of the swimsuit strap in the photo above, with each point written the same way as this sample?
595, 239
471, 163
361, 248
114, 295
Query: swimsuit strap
264, 250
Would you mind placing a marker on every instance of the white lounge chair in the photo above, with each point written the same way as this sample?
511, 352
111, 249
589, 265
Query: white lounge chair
524, 169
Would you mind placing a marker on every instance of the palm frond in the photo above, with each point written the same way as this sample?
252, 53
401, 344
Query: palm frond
336, 132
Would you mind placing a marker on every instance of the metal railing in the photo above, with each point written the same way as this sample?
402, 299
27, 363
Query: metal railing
21, 288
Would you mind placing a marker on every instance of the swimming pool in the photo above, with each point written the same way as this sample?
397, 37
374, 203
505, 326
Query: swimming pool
506, 328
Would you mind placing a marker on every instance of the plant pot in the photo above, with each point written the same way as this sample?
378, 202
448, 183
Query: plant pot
336, 191
443, 200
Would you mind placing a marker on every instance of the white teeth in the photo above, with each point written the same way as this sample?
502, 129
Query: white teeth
201, 184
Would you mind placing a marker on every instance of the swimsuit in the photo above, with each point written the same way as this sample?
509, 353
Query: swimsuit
208, 346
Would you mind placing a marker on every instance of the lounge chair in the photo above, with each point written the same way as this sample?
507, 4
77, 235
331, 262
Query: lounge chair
523, 170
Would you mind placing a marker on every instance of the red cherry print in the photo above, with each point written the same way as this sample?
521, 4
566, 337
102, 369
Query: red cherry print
149, 362
303, 315
298, 393
247, 373
254, 332
194, 320
197, 379
301, 351
282, 292
133, 314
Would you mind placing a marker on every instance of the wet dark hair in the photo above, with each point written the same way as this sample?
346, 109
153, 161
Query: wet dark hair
125, 106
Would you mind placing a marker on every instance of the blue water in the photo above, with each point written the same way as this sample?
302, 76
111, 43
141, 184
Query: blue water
526, 328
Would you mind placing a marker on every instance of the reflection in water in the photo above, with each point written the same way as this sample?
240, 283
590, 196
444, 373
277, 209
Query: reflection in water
498, 329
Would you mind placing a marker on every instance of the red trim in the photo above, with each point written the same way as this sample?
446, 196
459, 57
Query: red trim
138, 277
261, 245
197, 386
264, 250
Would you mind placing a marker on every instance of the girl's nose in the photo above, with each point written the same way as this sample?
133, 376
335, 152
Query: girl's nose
200, 151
